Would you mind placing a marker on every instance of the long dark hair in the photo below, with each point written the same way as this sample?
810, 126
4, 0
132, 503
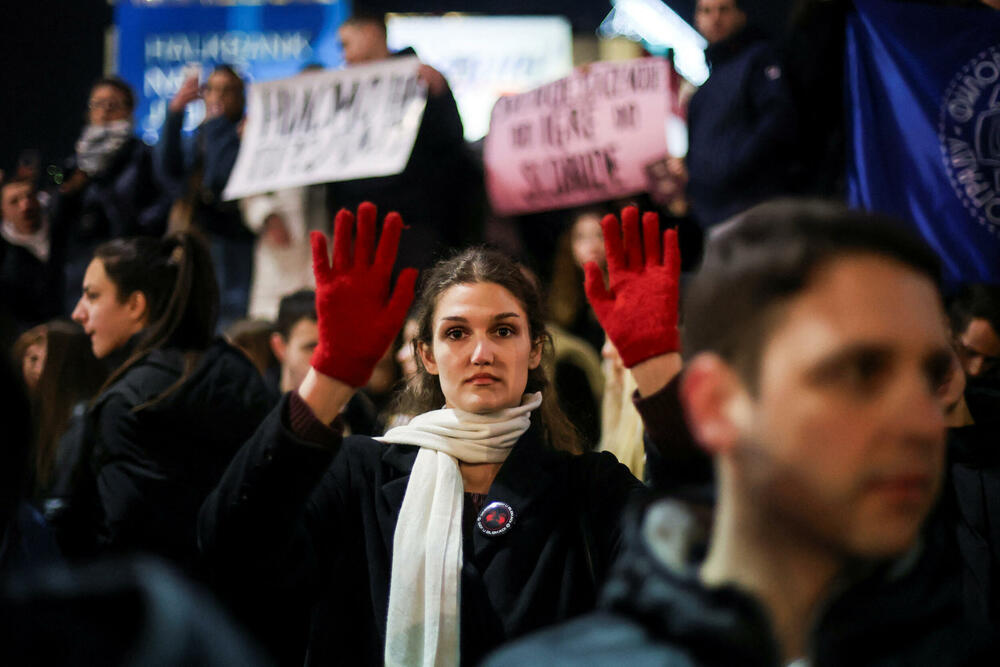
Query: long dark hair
422, 392
71, 374
176, 276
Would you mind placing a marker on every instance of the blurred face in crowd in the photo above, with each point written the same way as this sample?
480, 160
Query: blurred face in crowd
362, 43
20, 207
107, 105
481, 348
978, 348
404, 356
587, 240
841, 444
33, 363
108, 318
718, 19
295, 353
223, 95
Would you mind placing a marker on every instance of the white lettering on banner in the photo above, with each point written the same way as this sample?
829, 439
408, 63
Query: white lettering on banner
969, 134
233, 46
585, 138
321, 127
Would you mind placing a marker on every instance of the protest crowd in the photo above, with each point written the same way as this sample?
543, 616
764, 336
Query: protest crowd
749, 415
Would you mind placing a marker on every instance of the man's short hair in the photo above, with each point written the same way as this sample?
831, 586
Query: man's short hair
974, 301
764, 257
297, 306
361, 17
15, 178
121, 86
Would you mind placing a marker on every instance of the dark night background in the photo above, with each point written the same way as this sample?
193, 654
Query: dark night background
52, 50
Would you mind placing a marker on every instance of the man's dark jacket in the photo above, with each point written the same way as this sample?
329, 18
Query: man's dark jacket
905, 613
741, 127
434, 193
124, 200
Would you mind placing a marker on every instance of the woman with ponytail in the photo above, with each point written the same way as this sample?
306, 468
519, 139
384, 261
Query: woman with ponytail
174, 410
478, 521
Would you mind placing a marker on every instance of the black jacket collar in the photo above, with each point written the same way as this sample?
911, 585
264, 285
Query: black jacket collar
732, 46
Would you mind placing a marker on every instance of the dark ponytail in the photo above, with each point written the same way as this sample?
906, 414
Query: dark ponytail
176, 276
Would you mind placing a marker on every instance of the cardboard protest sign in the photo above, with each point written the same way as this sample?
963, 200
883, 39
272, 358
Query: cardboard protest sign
585, 138
319, 127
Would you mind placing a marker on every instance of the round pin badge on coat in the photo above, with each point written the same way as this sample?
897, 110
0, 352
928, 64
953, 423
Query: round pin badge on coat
496, 519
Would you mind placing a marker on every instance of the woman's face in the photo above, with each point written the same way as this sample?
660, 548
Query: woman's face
481, 348
404, 356
108, 321
33, 363
107, 104
587, 241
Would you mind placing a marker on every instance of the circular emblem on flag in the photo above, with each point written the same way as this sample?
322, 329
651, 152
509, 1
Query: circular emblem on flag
969, 133
496, 518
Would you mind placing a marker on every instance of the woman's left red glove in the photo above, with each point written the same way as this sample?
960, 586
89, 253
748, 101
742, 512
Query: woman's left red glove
639, 311
357, 317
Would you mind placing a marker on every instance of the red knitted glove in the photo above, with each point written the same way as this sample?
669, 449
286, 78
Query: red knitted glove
639, 312
357, 317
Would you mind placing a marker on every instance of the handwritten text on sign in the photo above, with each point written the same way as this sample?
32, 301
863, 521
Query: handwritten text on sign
321, 127
577, 140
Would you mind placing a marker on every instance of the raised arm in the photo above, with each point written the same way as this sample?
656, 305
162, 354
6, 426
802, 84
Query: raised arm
260, 505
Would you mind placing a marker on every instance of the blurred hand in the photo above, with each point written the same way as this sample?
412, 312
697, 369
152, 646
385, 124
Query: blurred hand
358, 318
433, 79
639, 311
188, 93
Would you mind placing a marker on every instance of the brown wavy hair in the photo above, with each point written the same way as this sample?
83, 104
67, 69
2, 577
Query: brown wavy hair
422, 392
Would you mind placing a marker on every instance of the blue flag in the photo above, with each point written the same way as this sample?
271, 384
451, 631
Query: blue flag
923, 101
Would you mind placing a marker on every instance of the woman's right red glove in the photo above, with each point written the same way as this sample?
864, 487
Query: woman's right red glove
357, 318
639, 312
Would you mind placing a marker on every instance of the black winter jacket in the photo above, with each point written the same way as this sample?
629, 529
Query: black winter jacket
657, 614
126, 200
741, 129
294, 516
149, 469
31, 291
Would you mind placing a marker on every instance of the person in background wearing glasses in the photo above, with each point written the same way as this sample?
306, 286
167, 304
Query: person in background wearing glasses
195, 169
107, 188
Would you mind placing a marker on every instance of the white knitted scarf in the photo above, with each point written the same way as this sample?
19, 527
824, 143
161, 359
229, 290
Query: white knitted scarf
422, 628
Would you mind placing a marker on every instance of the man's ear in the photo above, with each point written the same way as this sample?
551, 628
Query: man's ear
427, 357
278, 346
716, 403
136, 306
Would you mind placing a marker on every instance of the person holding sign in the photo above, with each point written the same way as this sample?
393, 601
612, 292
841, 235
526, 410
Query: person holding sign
475, 523
195, 170
438, 167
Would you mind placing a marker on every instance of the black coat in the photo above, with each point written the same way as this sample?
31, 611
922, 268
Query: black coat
125, 200
741, 130
144, 473
436, 193
290, 515
31, 290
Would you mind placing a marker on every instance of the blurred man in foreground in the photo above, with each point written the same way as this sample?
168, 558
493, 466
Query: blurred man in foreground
816, 359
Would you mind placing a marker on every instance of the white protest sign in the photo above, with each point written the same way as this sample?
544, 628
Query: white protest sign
484, 57
585, 138
319, 127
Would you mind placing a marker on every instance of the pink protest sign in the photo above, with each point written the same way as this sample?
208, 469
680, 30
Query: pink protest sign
585, 138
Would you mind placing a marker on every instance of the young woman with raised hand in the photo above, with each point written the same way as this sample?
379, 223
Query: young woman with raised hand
174, 411
475, 523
